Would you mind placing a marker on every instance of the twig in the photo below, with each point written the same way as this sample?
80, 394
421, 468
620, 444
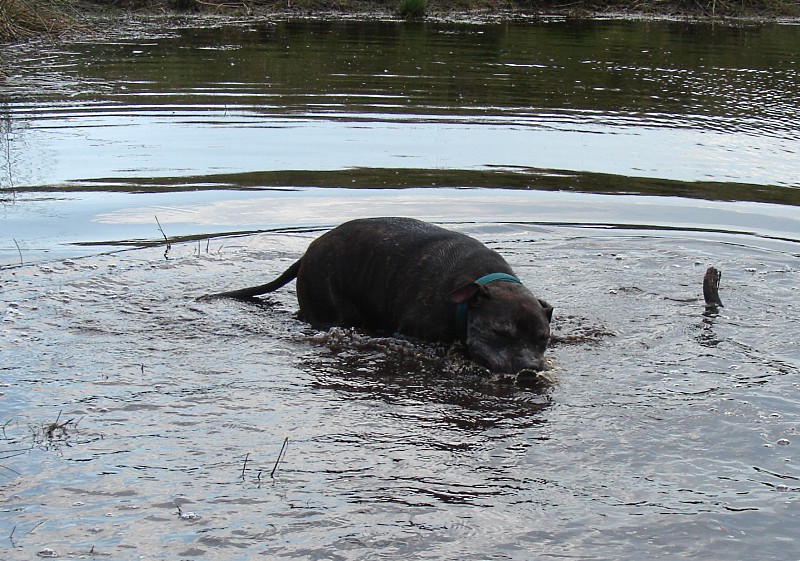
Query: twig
244, 467
50, 429
280, 455
21, 262
11, 537
166, 239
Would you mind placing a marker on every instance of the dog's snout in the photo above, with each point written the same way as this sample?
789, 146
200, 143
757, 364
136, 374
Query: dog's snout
530, 361
537, 379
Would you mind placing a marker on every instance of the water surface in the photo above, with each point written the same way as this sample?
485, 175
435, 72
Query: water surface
610, 162
703, 111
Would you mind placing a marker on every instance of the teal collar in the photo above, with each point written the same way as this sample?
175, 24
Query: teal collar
462, 309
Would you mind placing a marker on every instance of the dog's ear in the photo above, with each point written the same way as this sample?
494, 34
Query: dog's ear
467, 293
548, 309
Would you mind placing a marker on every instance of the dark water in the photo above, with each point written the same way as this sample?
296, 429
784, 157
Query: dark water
610, 162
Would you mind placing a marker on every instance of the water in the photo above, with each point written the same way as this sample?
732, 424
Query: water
610, 162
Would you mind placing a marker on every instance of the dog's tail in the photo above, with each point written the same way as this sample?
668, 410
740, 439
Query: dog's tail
246, 293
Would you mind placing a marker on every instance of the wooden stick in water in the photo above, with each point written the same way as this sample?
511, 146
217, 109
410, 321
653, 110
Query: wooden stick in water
711, 287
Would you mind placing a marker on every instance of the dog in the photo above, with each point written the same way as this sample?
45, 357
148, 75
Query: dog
401, 275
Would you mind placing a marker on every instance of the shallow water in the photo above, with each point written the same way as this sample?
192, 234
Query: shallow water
671, 431
139, 423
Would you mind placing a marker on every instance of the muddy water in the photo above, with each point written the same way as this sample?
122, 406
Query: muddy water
139, 423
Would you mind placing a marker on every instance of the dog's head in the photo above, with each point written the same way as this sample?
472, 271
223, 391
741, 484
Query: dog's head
503, 325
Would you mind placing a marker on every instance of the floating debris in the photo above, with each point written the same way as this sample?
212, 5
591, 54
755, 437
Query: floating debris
187, 515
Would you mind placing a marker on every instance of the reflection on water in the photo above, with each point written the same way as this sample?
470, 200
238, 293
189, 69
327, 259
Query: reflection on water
687, 102
651, 108
73, 226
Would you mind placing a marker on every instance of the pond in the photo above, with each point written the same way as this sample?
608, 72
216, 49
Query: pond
610, 162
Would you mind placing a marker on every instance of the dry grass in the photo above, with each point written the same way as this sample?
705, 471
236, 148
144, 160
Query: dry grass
23, 19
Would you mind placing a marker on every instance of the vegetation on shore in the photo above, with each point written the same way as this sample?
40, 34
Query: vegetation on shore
20, 19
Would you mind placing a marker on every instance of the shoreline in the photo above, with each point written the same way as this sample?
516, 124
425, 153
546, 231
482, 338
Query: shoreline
56, 19
438, 10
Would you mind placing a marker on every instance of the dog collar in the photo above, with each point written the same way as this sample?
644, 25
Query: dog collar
462, 309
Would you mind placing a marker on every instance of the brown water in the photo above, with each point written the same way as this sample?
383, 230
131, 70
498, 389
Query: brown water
610, 162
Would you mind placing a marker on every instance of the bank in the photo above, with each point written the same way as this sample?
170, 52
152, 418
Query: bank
24, 19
